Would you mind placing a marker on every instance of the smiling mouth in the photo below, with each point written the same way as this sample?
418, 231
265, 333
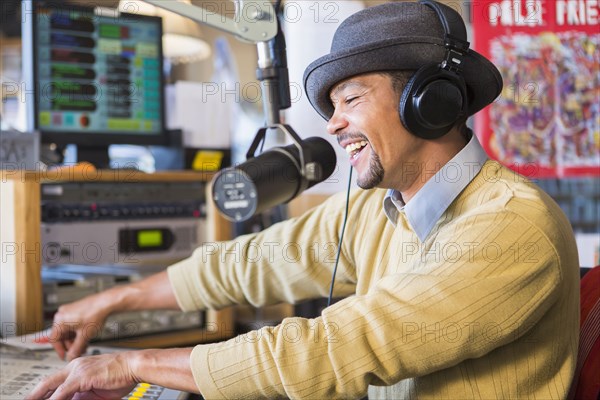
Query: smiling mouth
353, 149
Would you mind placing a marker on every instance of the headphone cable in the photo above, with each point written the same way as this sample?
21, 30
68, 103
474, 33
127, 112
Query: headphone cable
339, 249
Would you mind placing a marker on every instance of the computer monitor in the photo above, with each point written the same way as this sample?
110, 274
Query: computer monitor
96, 77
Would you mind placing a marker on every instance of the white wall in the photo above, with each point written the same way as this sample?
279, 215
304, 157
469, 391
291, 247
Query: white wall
8, 277
309, 28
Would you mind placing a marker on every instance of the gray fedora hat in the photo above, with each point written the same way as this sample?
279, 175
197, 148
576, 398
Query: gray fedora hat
391, 37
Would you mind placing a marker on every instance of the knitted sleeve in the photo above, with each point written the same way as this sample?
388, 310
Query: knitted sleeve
289, 262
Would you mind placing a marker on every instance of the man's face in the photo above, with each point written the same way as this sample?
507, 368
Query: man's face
367, 125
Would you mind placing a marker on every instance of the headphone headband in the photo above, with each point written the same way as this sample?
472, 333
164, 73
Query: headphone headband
450, 19
435, 97
454, 32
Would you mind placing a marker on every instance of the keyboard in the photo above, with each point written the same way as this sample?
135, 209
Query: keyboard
21, 370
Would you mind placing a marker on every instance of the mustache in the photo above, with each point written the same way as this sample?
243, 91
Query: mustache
351, 136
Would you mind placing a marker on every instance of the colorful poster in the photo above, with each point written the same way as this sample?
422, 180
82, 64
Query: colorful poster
546, 123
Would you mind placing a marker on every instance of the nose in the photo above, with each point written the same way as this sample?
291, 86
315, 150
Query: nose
337, 122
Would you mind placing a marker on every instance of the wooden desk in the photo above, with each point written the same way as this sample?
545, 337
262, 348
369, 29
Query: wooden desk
20, 242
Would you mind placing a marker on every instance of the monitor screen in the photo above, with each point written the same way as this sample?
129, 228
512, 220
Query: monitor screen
97, 77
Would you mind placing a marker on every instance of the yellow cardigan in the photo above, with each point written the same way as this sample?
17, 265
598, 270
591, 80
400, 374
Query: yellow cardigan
486, 307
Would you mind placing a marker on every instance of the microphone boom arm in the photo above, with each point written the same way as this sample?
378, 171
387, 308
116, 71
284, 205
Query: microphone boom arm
254, 22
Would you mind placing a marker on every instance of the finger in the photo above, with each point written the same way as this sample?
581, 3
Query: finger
64, 335
47, 386
57, 342
60, 348
65, 391
68, 388
33, 395
78, 346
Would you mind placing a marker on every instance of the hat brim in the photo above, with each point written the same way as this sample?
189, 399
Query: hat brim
482, 79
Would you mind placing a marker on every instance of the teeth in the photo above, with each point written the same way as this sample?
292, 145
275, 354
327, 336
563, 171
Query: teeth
355, 146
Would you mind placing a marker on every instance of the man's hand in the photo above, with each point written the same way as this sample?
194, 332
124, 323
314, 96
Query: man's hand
112, 376
76, 324
107, 376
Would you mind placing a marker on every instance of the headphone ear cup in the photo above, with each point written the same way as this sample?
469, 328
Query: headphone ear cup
432, 101
405, 98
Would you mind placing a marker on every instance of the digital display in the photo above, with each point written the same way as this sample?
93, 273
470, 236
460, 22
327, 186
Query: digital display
98, 74
149, 238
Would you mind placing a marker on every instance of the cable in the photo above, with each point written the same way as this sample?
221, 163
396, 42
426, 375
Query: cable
339, 250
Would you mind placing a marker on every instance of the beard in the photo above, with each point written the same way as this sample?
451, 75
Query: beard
374, 175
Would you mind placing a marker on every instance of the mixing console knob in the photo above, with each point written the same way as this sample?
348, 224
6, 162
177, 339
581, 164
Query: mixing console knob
50, 212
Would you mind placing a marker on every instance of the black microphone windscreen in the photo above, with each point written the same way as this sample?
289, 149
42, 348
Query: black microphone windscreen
272, 178
323, 154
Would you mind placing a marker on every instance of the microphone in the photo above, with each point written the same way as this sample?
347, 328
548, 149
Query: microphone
276, 176
281, 173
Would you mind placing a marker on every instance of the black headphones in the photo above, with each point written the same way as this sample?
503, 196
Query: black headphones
436, 95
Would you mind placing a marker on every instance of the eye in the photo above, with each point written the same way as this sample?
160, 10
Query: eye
350, 99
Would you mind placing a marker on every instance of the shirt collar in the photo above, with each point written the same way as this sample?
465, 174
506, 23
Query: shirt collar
432, 200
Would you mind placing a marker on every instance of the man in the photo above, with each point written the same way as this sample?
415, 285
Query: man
461, 276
